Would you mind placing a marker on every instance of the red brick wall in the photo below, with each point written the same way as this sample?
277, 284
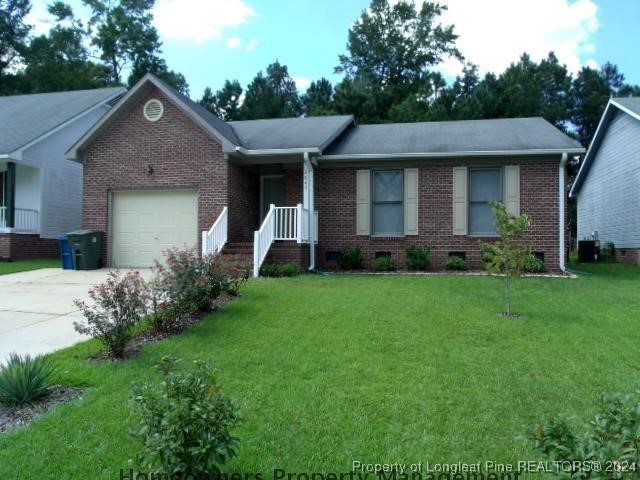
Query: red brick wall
15, 246
629, 256
336, 205
244, 203
181, 153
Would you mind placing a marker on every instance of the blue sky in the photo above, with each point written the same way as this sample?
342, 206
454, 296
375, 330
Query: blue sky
212, 40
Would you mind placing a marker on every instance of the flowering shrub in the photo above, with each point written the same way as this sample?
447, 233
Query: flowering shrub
185, 423
185, 284
235, 270
114, 309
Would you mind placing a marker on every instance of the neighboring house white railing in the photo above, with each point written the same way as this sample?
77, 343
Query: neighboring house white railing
216, 237
26, 220
281, 223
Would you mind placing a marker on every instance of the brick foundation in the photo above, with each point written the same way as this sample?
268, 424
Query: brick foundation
14, 246
285, 252
629, 256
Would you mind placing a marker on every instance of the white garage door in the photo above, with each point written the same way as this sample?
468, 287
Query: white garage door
146, 223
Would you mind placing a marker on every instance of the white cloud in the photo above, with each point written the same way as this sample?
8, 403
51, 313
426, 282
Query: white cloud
40, 19
234, 42
301, 82
199, 20
494, 33
251, 46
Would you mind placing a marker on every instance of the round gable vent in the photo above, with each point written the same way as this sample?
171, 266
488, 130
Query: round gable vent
153, 110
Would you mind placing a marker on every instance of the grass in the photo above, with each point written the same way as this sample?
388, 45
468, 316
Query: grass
332, 369
25, 265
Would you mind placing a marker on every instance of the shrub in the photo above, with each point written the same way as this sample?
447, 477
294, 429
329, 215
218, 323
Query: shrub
187, 283
384, 264
608, 252
290, 269
236, 272
115, 308
418, 257
351, 259
456, 263
534, 265
610, 438
25, 379
185, 423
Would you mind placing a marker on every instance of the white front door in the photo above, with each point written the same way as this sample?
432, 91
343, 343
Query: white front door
146, 223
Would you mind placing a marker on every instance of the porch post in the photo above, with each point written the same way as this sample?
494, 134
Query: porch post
308, 200
10, 194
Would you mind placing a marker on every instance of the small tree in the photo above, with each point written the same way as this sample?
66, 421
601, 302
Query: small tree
508, 255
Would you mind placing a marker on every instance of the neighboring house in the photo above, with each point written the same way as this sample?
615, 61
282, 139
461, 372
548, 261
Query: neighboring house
161, 171
40, 190
607, 187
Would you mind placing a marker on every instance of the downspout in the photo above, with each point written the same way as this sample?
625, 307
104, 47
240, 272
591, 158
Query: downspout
310, 204
561, 213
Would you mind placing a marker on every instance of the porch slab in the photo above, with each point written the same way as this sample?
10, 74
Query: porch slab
37, 311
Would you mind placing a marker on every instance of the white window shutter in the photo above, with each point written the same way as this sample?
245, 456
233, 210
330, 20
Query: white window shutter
512, 189
363, 202
411, 201
460, 200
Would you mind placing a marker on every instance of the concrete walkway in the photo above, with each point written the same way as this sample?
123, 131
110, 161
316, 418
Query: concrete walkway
37, 311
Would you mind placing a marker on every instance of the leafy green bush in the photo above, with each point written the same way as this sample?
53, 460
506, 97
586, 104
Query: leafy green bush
187, 283
418, 257
185, 423
115, 308
608, 252
610, 438
351, 259
235, 270
289, 269
384, 264
534, 265
456, 263
25, 379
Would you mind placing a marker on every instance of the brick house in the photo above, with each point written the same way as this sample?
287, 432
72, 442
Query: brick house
160, 171
40, 190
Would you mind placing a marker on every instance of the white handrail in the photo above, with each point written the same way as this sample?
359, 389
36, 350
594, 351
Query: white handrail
216, 237
3, 213
25, 220
262, 240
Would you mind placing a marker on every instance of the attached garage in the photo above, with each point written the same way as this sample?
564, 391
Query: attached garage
146, 223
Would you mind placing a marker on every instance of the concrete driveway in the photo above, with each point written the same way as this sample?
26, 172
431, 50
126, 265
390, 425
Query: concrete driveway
37, 311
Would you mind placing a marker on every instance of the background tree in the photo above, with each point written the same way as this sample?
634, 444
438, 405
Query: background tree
13, 39
507, 256
393, 48
272, 96
156, 65
59, 61
225, 103
318, 99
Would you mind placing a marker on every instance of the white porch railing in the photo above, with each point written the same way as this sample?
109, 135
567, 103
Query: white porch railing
281, 223
26, 220
216, 237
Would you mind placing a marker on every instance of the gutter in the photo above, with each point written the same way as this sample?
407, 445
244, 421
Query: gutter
470, 153
278, 151
561, 193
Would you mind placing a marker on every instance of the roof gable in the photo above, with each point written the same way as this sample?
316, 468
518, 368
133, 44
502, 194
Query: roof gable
629, 106
26, 118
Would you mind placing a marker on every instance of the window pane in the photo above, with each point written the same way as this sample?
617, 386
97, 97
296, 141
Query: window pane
481, 219
387, 186
387, 218
484, 185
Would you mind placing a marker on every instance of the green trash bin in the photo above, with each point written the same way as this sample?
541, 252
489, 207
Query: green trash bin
86, 246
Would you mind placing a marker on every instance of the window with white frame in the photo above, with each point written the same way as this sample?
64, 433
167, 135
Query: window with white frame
387, 202
485, 185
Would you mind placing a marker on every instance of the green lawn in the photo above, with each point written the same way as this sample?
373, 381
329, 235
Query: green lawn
332, 369
25, 265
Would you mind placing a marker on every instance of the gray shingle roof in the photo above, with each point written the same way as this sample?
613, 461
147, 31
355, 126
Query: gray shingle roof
23, 118
630, 103
453, 136
281, 133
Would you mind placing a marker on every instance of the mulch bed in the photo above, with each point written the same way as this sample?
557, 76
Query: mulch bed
11, 417
178, 326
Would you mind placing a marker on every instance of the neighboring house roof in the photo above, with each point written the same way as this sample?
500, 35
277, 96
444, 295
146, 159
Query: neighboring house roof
628, 105
290, 133
25, 118
466, 137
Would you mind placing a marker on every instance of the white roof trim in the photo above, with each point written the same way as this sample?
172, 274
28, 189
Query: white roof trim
277, 151
471, 153
625, 109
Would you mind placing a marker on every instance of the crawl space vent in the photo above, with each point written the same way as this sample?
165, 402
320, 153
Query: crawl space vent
153, 110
